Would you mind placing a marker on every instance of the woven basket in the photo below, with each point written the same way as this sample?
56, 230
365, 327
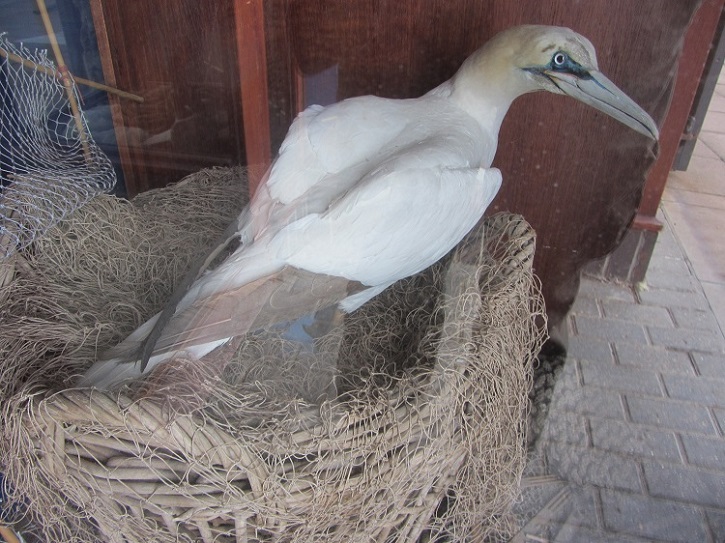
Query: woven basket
425, 453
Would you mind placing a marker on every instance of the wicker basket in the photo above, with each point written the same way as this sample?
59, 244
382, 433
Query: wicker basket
433, 454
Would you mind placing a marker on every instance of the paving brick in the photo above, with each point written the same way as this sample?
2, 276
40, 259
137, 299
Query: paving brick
585, 507
685, 484
588, 466
633, 439
697, 319
591, 401
571, 533
621, 378
610, 329
585, 306
667, 246
688, 340
653, 519
602, 290
663, 279
586, 348
720, 417
637, 313
672, 274
566, 427
580, 507
673, 264
653, 358
716, 520
704, 451
673, 298
666, 413
542, 531
702, 389
567, 379
710, 365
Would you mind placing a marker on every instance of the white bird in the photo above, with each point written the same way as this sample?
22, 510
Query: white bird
368, 191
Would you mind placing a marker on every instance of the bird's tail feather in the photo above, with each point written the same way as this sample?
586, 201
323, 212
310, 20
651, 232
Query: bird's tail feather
195, 270
106, 373
282, 296
130, 347
278, 297
118, 363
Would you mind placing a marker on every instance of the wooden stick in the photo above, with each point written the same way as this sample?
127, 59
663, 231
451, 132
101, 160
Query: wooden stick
8, 535
65, 78
7, 265
87, 82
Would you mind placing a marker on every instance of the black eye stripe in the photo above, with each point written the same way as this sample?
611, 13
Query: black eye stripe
562, 62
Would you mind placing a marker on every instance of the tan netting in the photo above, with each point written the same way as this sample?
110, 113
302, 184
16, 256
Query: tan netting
425, 440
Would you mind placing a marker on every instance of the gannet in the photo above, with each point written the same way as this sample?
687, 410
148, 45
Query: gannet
368, 191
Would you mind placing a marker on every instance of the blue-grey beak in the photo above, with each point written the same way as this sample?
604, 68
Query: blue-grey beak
596, 90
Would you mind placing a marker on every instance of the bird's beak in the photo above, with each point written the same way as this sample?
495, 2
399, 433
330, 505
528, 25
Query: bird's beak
593, 88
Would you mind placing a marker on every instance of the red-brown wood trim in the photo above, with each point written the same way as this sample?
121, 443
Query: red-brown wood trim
252, 59
109, 76
691, 65
646, 222
299, 90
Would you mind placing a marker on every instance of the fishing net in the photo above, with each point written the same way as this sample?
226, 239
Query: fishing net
49, 163
426, 439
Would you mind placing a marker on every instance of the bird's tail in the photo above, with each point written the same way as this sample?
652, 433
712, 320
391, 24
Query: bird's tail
192, 275
197, 329
120, 362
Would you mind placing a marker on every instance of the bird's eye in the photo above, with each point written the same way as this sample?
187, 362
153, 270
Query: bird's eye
559, 59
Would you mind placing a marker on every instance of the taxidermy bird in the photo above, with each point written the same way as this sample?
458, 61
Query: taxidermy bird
366, 192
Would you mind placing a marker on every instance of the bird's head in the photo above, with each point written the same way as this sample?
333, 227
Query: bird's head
532, 58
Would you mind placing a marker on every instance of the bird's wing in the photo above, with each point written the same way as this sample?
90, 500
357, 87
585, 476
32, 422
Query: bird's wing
326, 141
394, 209
326, 154
282, 296
322, 156
326, 151
195, 270
397, 221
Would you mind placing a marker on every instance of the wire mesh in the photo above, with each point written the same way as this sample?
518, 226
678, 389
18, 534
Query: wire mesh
49, 163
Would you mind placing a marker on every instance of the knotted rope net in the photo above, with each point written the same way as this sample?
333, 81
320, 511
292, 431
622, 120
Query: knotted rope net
425, 441
49, 163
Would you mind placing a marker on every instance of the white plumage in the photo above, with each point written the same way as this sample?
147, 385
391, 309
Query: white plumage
369, 191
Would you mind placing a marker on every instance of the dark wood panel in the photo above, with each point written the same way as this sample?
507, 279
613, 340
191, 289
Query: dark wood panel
574, 173
181, 57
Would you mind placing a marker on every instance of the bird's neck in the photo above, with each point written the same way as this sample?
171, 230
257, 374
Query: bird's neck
485, 88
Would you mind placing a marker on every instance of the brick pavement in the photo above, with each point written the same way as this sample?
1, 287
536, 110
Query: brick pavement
637, 423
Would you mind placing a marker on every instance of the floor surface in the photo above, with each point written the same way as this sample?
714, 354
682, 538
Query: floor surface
694, 204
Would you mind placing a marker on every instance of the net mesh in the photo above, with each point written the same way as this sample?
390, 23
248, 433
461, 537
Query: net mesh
49, 163
426, 440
